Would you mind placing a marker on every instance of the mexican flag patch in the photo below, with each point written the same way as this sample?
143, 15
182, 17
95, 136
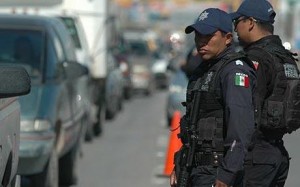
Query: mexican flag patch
241, 79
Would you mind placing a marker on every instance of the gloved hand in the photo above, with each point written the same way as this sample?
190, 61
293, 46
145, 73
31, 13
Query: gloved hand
220, 184
173, 180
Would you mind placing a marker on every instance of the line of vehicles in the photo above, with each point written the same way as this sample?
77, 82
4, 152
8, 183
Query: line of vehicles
75, 84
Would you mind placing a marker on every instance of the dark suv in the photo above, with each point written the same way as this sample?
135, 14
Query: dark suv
52, 114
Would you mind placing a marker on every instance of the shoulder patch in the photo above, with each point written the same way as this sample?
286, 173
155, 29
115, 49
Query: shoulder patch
239, 62
255, 63
290, 70
241, 79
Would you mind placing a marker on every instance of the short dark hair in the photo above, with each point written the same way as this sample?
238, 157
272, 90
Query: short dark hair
266, 26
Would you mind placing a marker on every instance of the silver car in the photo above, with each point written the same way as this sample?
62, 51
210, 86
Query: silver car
176, 94
14, 81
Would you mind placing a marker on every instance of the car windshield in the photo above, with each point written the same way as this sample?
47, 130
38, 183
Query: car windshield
138, 47
22, 47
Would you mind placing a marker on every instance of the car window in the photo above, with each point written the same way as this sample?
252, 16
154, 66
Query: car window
58, 49
65, 38
138, 47
70, 24
23, 47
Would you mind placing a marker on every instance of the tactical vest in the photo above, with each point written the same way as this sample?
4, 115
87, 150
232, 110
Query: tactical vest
280, 111
210, 125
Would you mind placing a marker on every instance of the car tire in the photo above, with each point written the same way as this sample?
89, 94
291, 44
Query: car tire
89, 135
120, 104
111, 113
88, 129
67, 167
127, 93
98, 126
16, 182
49, 177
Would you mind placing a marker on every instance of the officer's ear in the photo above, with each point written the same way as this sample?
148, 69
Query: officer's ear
252, 23
228, 38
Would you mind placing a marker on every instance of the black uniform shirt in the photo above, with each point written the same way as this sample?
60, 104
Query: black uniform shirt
237, 83
265, 71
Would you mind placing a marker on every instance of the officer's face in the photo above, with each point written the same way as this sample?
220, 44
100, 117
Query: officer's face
242, 28
210, 46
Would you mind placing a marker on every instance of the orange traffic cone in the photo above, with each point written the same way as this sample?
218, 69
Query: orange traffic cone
174, 144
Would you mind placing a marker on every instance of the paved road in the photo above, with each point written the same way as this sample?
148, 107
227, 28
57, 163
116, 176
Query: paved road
292, 143
131, 151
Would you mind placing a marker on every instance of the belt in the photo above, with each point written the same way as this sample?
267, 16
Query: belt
275, 141
205, 159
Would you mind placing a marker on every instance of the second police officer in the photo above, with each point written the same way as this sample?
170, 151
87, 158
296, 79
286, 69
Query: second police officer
267, 162
219, 119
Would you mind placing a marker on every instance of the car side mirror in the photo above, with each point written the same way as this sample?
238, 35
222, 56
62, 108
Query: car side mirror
14, 81
74, 70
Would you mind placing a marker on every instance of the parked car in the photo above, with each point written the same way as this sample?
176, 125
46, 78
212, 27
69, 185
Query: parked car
161, 72
176, 94
94, 116
183, 66
52, 114
142, 79
141, 57
14, 81
126, 68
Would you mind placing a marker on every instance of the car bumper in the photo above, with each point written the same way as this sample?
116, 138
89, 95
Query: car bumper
140, 84
34, 153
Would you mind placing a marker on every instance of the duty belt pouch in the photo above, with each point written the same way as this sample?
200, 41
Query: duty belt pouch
183, 130
281, 110
206, 130
292, 114
275, 114
204, 159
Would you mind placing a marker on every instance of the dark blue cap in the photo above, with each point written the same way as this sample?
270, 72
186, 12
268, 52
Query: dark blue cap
211, 20
259, 9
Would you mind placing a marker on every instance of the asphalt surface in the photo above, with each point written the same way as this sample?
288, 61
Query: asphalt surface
292, 141
132, 150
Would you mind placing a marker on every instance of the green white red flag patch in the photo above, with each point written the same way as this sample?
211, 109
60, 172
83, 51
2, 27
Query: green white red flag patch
241, 79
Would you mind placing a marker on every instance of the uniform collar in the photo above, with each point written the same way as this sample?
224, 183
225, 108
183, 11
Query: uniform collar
228, 50
271, 39
206, 65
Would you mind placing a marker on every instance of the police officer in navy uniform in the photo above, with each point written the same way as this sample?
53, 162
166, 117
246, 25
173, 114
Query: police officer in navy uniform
225, 123
267, 162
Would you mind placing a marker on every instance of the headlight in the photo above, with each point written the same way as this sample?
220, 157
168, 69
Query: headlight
37, 125
177, 89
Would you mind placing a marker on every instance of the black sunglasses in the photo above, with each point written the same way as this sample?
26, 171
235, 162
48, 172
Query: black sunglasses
236, 21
